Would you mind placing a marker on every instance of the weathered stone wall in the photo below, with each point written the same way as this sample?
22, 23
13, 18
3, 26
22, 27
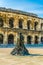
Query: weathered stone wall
6, 30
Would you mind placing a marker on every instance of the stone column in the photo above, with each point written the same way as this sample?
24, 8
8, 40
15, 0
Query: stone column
25, 24
6, 20
16, 23
15, 38
39, 39
5, 38
33, 39
25, 39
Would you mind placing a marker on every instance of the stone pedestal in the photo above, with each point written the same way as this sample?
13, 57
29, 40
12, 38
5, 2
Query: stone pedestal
22, 51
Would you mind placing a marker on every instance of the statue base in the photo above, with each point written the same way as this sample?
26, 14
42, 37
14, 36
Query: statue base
22, 51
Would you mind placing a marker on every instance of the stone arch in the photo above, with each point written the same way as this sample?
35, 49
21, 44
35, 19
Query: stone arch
1, 22
42, 39
1, 38
35, 25
36, 40
28, 24
20, 23
10, 39
29, 39
11, 22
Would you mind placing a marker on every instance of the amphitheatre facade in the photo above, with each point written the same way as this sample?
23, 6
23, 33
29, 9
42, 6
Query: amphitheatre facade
16, 22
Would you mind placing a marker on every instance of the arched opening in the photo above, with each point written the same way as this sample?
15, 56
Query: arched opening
10, 39
41, 26
29, 39
21, 38
1, 22
42, 40
35, 25
1, 39
20, 23
36, 39
28, 24
11, 22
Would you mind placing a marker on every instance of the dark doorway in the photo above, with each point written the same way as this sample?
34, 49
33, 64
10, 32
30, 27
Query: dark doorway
35, 25
42, 40
20, 23
36, 39
10, 39
1, 39
11, 20
28, 25
41, 26
1, 22
29, 40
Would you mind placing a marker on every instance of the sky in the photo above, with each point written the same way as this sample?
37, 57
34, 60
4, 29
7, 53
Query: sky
32, 6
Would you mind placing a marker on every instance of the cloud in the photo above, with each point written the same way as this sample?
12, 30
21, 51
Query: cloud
1, 3
22, 5
34, 8
36, 11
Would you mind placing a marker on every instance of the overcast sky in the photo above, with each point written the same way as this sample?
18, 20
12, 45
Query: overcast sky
32, 6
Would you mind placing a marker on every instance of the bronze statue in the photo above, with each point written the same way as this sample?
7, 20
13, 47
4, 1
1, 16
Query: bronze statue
20, 48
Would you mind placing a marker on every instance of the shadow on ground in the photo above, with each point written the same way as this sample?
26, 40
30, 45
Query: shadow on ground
35, 55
